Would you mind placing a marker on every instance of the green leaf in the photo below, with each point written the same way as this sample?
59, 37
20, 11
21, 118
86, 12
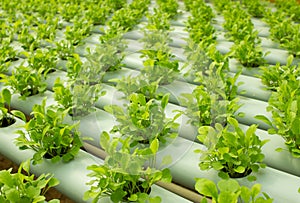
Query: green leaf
117, 195
154, 145
207, 188
296, 126
240, 169
255, 190
19, 114
6, 94
229, 185
104, 140
164, 101
264, 119
227, 197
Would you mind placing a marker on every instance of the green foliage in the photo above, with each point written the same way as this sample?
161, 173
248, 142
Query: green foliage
169, 6
284, 104
272, 76
49, 136
160, 65
26, 81
80, 29
230, 191
143, 120
23, 187
6, 118
78, 97
248, 52
64, 49
124, 176
231, 151
138, 84
7, 55
42, 60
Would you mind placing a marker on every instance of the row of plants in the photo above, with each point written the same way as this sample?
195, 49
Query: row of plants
283, 81
284, 31
145, 116
240, 29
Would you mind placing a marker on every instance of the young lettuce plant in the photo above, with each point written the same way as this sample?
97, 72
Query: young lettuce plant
230, 191
77, 97
7, 55
249, 53
284, 104
272, 76
143, 121
138, 84
26, 81
160, 65
24, 187
48, 135
6, 116
231, 151
124, 176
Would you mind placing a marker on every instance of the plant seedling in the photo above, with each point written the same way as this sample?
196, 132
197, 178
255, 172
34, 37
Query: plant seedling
24, 187
231, 151
230, 191
48, 135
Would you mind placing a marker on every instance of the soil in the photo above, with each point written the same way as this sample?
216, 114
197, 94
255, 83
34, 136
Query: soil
51, 194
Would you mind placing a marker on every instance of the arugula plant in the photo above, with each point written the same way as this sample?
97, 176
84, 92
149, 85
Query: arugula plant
77, 97
28, 40
249, 53
48, 135
138, 84
42, 60
6, 116
64, 49
26, 81
143, 121
24, 187
272, 76
7, 55
160, 65
231, 151
230, 191
255, 8
97, 13
78, 31
106, 57
124, 177
284, 104
158, 20
169, 6
47, 30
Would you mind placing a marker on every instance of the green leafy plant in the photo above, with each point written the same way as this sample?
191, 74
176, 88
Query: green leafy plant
64, 49
169, 6
143, 121
26, 81
28, 40
138, 84
7, 55
124, 177
230, 191
22, 187
78, 31
272, 76
249, 53
284, 104
6, 116
78, 97
231, 151
160, 65
48, 135
42, 60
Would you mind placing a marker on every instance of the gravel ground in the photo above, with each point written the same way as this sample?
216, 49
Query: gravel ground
51, 194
